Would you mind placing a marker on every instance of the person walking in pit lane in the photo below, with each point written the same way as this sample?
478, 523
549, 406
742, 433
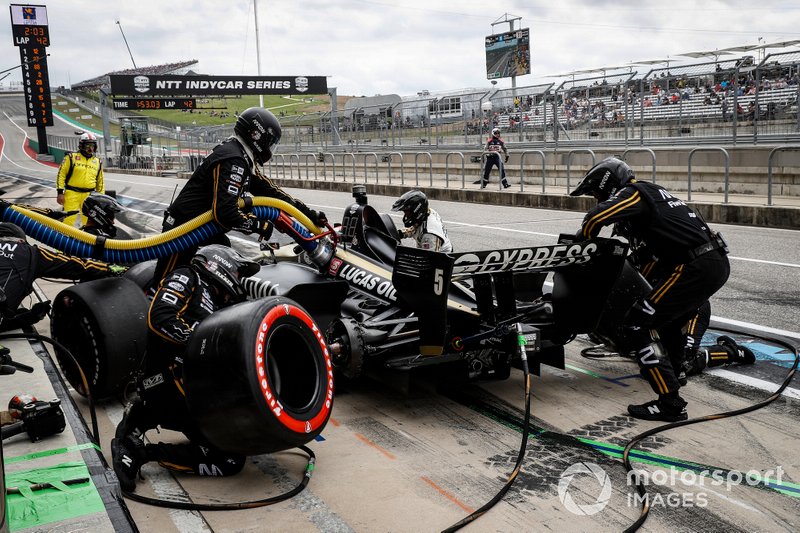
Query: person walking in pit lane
694, 256
80, 173
495, 145
422, 223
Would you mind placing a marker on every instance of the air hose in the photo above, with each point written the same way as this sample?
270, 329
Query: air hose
521, 342
78, 243
640, 488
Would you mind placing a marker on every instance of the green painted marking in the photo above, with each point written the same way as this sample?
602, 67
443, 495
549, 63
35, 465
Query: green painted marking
584, 371
32, 510
48, 453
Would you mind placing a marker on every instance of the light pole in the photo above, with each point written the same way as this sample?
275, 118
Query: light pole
126, 44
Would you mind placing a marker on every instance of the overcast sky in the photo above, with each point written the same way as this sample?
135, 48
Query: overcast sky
392, 46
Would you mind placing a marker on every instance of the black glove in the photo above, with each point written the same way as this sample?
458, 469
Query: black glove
506, 159
263, 228
318, 218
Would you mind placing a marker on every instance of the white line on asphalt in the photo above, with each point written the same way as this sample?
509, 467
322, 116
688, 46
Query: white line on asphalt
765, 329
756, 383
777, 263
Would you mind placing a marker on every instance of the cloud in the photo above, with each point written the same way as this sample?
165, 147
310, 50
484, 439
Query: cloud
371, 47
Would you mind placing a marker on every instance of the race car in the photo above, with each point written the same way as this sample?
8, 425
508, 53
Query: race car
352, 299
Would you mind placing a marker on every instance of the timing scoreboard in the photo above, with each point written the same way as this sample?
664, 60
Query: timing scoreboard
30, 31
147, 104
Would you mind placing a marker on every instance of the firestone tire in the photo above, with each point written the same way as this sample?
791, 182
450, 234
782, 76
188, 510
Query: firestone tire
103, 323
258, 377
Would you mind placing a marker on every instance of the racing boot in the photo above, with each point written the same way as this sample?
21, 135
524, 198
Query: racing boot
133, 421
127, 456
667, 408
737, 353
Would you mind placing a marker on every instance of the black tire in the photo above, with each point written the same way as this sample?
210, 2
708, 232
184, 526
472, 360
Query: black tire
246, 403
103, 323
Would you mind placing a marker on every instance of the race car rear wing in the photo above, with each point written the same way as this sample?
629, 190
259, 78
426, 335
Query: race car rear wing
586, 272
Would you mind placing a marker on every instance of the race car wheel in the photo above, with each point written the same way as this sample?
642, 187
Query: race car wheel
103, 325
350, 336
258, 377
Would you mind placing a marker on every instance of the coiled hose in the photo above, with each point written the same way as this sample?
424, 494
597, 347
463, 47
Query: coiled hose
78, 243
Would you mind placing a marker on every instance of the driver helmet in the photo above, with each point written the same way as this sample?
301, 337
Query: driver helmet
496, 132
604, 179
100, 211
414, 205
260, 131
87, 144
224, 268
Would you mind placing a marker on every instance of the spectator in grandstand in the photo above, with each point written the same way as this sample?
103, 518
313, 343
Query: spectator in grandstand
225, 176
80, 173
724, 110
692, 257
422, 223
495, 145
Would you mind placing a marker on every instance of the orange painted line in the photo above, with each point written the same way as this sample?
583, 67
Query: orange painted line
447, 495
335, 422
365, 440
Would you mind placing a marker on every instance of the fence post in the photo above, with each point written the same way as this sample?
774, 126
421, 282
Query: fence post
727, 169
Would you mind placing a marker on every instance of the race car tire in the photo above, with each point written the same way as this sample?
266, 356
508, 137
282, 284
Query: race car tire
258, 377
103, 324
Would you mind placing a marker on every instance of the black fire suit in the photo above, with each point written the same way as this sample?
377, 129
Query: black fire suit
692, 264
183, 300
22, 263
223, 177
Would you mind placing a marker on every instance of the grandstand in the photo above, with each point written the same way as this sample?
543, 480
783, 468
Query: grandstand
179, 68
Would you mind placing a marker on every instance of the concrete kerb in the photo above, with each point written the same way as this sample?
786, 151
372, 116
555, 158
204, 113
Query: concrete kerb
748, 215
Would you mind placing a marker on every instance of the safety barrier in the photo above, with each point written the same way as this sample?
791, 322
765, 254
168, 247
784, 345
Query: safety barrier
727, 170
314, 159
447, 170
647, 150
389, 167
540, 153
430, 166
769, 169
569, 161
353, 161
374, 155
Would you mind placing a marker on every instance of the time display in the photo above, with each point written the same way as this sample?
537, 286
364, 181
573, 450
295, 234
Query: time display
148, 104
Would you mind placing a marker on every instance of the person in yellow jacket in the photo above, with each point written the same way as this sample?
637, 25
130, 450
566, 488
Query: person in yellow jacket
80, 173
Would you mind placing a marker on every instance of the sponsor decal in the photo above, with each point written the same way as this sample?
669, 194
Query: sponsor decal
237, 169
152, 381
524, 258
335, 265
176, 286
371, 282
301, 84
141, 84
273, 403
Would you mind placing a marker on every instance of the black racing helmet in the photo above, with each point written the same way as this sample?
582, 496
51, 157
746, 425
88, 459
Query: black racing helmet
12, 232
224, 268
414, 205
259, 128
604, 179
101, 209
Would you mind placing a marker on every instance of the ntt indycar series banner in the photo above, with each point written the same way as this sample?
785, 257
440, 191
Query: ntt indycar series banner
168, 85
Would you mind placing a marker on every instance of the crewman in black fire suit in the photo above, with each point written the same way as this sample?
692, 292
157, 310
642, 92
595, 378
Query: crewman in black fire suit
185, 297
695, 358
22, 263
693, 255
229, 172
